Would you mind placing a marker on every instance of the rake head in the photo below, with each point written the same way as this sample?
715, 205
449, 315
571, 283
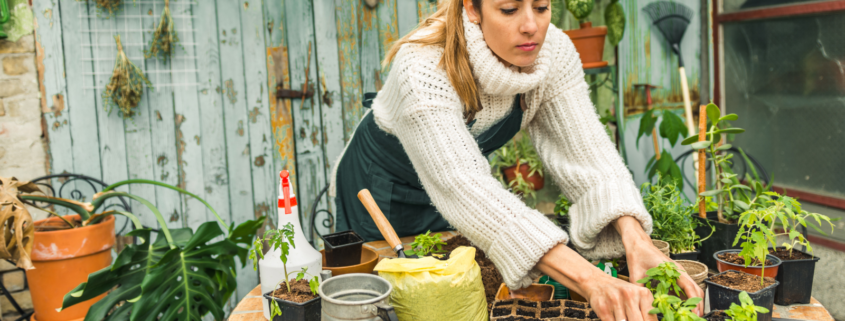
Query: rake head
671, 19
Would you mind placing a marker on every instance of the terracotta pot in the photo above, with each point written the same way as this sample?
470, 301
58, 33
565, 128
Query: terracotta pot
534, 292
589, 42
369, 259
537, 180
770, 270
63, 259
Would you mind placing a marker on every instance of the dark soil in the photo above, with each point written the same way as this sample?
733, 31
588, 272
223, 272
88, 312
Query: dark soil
784, 254
490, 276
742, 281
592, 315
526, 303
736, 259
501, 311
549, 304
573, 304
57, 224
527, 313
518, 319
549, 314
299, 292
575, 313
717, 315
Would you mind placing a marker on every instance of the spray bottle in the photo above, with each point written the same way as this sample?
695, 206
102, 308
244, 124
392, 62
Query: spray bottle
271, 267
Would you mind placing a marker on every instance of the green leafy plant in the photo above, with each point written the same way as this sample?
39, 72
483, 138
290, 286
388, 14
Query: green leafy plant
672, 219
726, 182
660, 281
614, 18
758, 227
672, 128
425, 244
562, 206
181, 275
281, 239
746, 310
520, 152
580, 8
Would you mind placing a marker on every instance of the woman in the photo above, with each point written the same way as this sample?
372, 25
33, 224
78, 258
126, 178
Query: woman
460, 87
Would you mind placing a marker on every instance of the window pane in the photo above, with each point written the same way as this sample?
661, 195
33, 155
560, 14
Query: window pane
785, 79
738, 5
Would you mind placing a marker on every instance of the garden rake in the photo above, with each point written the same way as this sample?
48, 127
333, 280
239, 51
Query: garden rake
672, 20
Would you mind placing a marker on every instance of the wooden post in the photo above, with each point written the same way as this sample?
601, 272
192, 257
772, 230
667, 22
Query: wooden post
702, 158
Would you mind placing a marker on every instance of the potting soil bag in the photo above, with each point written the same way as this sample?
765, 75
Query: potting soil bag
431, 289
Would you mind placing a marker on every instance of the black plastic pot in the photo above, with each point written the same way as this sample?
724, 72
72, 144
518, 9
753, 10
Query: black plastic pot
692, 256
796, 280
722, 238
292, 311
343, 248
721, 296
709, 315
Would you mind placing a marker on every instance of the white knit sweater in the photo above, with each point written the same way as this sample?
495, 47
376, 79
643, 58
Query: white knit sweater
419, 105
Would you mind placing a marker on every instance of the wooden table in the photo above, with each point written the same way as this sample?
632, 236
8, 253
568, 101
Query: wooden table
249, 309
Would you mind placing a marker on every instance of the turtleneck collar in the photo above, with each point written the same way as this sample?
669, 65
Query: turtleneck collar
492, 76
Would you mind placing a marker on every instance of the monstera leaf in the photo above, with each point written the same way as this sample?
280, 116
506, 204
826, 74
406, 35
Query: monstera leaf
580, 8
614, 18
16, 229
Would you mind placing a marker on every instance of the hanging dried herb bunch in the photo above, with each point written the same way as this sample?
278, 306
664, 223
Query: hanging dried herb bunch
165, 36
126, 85
108, 6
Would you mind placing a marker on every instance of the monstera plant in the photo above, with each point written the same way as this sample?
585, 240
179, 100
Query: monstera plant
180, 275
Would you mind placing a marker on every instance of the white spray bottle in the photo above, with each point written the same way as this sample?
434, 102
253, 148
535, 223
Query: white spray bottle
271, 268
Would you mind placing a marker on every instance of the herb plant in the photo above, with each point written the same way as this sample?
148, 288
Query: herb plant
425, 244
672, 128
281, 239
758, 227
562, 206
666, 277
165, 36
126, 85
747, 311
673, 222
520, 152
660, 281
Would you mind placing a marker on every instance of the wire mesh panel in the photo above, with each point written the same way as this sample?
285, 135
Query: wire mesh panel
785, 79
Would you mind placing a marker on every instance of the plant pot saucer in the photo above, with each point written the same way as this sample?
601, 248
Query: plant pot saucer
597, 64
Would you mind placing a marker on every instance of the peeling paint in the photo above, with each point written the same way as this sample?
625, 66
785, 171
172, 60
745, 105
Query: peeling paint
253, 114
161, 160
158, 115
281, 120
180, 151
240, 130
230, 91
174, 217
58, 104
259, 161
197, 138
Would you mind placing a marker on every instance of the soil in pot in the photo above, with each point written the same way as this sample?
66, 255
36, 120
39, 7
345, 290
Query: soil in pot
577, 305
551, 313
742, 281
724, 288
300, 292
717, 315
795, 276
498, 312
574, 313
735, 258
490, 276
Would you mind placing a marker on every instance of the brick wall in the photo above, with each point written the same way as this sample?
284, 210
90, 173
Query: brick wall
22, 147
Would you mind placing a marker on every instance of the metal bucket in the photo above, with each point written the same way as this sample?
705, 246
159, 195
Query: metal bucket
356, 296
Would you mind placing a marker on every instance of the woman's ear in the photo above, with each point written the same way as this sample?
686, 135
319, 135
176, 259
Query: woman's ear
473, 15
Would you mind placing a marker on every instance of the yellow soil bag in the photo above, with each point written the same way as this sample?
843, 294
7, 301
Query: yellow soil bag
431, 289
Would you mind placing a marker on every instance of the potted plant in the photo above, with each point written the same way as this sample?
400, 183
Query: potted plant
426, 245
519, 167
673, 221
724, 289
561, 211
662, 281
298, 299
589, 40
144, 276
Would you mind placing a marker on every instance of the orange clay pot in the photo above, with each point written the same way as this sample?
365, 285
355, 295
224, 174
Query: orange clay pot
63, 259
536, 179
589, 42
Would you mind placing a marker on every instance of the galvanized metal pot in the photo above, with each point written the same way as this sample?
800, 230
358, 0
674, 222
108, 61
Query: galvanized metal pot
356, 296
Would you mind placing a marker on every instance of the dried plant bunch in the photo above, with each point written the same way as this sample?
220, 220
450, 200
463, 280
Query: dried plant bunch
165, 36
126, 85
108, 6
18, 230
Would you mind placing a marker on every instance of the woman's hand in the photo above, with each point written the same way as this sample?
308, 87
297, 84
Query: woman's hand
643, 255
612, 299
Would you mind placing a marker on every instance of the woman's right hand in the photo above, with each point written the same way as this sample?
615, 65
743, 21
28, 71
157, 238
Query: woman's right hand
612, 299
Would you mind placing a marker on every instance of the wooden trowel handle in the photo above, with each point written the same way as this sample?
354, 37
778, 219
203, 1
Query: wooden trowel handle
383, 224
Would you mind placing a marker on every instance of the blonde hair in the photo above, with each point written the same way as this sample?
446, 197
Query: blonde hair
447, 25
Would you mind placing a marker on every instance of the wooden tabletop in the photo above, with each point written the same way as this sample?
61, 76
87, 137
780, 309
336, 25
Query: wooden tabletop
249, 309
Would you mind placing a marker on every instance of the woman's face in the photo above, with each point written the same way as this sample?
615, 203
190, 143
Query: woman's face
514, 29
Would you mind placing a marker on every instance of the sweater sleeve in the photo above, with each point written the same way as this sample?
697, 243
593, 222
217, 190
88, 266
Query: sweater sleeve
578, 154
458, 178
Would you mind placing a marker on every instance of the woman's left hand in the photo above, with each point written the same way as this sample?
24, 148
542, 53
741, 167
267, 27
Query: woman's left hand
642, 255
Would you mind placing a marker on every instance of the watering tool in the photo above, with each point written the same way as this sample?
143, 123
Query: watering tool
383, 224
672, 20
5, 14
302, 255
648, 88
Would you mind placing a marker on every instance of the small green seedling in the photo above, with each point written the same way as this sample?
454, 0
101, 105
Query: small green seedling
747, 311
281, 239
425, 244
666, 274
758, 227
562, 206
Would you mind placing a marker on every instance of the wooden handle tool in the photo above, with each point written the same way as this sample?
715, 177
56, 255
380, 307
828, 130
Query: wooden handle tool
381, 221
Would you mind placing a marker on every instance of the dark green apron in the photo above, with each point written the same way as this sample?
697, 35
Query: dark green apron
375, 160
